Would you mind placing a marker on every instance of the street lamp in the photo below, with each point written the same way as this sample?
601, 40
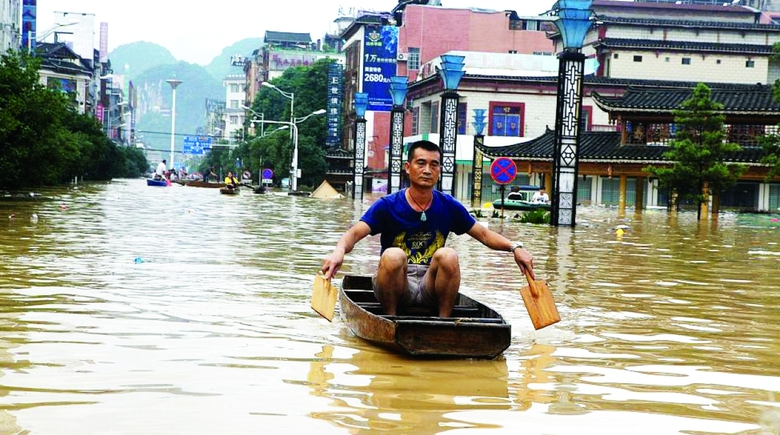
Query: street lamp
294, 132
398, 88
289, 95
361, 104
451, 72
573, 23
260, 115
174, 83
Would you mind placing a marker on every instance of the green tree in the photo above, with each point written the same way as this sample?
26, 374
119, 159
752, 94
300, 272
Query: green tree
699, 151
309, 84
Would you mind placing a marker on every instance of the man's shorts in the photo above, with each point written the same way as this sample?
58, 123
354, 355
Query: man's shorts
416, 293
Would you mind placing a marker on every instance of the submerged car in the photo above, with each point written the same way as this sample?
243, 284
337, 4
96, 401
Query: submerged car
521, 200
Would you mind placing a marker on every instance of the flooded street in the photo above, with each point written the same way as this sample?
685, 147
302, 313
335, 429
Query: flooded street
129, 309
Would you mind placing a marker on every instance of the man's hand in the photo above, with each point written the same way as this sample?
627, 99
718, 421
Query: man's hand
332, 263
525, 261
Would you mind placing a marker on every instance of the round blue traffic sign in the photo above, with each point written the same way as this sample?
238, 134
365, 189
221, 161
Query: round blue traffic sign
268, 174
503, 170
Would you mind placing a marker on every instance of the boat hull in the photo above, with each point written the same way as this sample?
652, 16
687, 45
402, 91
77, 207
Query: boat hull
520, 206
199, 183
226, 191
473, 331
156, 183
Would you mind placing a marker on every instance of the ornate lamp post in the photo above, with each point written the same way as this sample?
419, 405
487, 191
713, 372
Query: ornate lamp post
451, 72
361, 104
398, 88
476, 167
573, 23
174, 83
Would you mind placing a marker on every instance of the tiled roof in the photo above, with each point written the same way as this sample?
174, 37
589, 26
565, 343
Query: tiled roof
712, 47
648, 22
602, 147
753, 99
271, 36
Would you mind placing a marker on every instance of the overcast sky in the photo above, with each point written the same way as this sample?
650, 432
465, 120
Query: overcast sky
196, 32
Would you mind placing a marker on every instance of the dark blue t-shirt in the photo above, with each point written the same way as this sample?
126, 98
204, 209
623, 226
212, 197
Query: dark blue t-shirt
401, 227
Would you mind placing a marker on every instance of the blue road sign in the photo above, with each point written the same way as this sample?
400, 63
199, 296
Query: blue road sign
196, 144
268, 174
503, 170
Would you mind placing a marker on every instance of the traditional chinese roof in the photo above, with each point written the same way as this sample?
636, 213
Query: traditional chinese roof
58, 57
601, 147
338, 153
666, 23
747, 100
287, 37
698, 47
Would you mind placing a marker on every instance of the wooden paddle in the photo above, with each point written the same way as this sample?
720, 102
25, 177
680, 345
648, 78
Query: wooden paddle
323, 297
539, 303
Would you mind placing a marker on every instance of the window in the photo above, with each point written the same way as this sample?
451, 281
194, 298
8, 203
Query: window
234, 104
506, 119
616, 55
585, 118
234, 88
414, 58
462, 118
750, 64
637, 58
435, 117
512, 51
717, 61
667, 59
234, 120
686, 61
416, 121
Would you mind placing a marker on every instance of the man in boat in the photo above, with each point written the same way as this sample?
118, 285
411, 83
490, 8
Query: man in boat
159, 173
541, 196
415, 268
231, 181
209, 174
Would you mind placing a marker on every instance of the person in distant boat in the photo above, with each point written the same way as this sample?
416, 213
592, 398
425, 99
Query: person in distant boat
209, 175
415, 268
231, 181
159, 173
540, 196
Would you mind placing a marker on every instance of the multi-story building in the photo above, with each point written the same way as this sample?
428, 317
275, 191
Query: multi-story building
234, 112
646, 52
11, 29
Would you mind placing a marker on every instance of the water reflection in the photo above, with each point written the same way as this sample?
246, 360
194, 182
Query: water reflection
669, 327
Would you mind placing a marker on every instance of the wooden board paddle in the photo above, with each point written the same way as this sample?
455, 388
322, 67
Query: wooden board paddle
323, 297
539, 303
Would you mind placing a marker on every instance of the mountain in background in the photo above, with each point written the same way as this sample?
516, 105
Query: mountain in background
220, 65
149, 66
134, 59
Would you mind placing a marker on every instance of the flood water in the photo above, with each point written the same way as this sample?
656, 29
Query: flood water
127, 309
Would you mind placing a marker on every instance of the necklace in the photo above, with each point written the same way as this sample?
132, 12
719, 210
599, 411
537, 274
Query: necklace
422, 216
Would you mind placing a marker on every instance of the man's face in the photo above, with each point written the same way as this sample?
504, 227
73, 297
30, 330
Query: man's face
424, 168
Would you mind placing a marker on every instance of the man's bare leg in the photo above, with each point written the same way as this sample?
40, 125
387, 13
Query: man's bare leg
391, 279
443, 279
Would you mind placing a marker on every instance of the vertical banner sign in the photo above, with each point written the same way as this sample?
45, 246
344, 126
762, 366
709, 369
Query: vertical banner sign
103, 42
379, 64
29, 13
335, 91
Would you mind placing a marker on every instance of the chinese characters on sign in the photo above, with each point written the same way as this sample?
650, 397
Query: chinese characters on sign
196, 145
379, 64
335, 97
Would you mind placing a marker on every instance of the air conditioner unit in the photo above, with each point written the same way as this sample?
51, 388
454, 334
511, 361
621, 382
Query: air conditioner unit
402, 56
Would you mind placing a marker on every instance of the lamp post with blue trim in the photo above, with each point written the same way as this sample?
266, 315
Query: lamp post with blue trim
573, 23
476, 166
451, 71
361, 104
398, 87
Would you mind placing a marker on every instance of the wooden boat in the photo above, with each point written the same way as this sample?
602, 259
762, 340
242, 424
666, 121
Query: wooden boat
226, 191
201, 183
153, 182
473, 331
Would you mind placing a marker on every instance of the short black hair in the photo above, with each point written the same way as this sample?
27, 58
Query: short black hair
424, 144
164, 161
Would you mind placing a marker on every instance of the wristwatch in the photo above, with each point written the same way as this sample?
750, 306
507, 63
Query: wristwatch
514, 246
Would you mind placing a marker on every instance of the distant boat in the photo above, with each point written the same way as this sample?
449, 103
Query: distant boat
201, 183
158, 183
228, 191
521, 200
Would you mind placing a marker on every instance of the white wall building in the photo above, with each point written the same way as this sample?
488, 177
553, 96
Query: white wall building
10, 20
234, 114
